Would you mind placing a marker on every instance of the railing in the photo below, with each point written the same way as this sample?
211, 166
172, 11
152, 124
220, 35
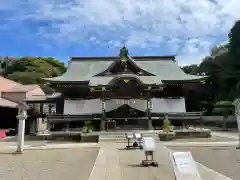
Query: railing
66, 117
172, 116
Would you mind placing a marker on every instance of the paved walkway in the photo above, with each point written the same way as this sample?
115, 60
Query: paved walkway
121, 164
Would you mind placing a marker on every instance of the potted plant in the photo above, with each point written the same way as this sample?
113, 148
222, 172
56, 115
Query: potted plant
87, 127
166, 127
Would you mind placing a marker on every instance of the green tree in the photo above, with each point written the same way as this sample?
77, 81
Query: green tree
32, 70
225, 108
192, 69
234, 40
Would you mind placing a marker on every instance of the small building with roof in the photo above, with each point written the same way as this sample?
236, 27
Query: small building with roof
11, 95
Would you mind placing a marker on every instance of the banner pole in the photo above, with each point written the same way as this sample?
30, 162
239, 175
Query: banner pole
238, 124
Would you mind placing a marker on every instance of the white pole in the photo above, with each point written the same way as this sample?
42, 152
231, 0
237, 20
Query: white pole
238, 123
236, 104
21, 133
22, 116
238, 147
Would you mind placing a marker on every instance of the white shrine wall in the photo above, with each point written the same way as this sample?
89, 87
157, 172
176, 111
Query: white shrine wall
77, 107
161, 105
93, 106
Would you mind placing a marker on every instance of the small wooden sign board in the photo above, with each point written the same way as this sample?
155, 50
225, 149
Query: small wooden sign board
184, 166
138, 135
148, 144
129, 136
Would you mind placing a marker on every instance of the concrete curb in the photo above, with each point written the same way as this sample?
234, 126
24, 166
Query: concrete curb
202, 144
52, 146
225, 135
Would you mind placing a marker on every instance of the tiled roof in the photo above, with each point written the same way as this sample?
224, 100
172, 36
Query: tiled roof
22, 88
7, 84
42, 97
6, 103
163, 68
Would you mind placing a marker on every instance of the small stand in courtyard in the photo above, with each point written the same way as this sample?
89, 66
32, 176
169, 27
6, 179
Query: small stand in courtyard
149, 149
136, 139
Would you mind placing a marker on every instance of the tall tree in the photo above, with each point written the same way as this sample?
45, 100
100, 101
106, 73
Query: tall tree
234, 40
32, 70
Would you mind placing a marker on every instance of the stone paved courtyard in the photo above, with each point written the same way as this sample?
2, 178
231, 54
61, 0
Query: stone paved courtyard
122, 164
221, 159
114, 162
59, 164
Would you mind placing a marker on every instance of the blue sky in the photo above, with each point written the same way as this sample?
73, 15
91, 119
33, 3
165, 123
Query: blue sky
62, 28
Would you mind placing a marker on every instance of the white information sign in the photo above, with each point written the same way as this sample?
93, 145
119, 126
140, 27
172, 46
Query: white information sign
137, 135
148, 144
184, 162
129, 136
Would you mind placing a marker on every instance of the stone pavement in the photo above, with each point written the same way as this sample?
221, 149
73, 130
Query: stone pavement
216, 158
226, 135
114, 162
58, 164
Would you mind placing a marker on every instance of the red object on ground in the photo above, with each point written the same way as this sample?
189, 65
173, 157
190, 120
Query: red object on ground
2, 134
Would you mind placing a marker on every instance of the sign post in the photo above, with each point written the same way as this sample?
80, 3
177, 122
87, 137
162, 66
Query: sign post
236, 104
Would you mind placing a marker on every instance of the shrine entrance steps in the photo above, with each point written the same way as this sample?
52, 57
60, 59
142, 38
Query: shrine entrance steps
119, 136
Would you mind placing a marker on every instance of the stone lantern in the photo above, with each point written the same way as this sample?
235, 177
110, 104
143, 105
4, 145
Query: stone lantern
22, 116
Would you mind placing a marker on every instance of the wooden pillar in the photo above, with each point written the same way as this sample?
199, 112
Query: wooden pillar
183, 122
149, 108
41, 108
201, 120
103, 105
166, 116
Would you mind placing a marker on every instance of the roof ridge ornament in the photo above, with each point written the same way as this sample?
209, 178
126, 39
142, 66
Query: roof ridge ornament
123, 52
123, 56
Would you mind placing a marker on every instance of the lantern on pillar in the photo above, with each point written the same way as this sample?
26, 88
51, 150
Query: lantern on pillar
150, 106
103, 105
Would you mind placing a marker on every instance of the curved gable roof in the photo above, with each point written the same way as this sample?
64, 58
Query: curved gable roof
167, 70
82, 69
130, 60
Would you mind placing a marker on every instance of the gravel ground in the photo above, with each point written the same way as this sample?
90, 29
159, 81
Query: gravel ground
70, 164
225, 160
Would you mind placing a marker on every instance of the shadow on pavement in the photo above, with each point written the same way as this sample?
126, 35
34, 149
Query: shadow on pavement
127, 149
135, 165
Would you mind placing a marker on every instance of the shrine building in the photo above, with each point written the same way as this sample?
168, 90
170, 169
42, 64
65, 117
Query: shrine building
117, 92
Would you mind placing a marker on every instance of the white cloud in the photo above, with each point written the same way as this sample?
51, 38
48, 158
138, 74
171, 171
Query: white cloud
186, 28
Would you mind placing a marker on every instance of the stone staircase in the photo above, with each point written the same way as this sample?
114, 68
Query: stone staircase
119, 136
